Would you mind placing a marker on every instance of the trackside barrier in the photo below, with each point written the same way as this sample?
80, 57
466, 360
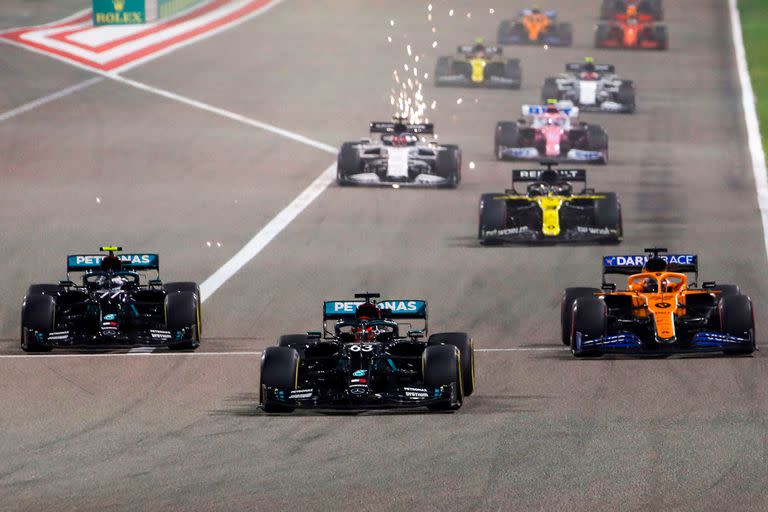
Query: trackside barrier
135, 12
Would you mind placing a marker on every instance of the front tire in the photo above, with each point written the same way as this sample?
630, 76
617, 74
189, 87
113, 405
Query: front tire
566, 309
737, 319
182, 311
279, 369
492, 216
463, 342
38, 313
442, 367
589, 321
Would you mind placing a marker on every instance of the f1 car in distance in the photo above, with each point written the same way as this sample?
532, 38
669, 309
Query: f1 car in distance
661, 310
632, 30
479, 66
403, 156
364, 361
551, 132
549, 210
652, 8
591, 87
535, 27
112, 307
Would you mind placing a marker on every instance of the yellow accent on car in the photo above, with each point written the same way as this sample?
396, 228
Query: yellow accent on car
478, 70
550, 209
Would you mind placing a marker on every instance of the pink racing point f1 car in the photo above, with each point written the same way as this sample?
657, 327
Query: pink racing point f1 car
551, 132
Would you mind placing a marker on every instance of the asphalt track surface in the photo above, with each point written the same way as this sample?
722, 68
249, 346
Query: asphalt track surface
543, 430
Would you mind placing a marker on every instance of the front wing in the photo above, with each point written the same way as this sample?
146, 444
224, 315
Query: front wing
574, 155
525, 234
143, 338
408, 397
371, 179
628, 343
493, 81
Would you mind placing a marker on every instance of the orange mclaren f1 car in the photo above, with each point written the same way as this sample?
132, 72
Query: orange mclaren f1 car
535, 27
660, 311
632, 29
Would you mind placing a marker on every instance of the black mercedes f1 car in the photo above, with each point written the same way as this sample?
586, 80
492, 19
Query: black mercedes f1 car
112, 307
364, 362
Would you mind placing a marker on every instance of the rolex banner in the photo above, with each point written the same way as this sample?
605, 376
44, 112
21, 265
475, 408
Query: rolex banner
120, 12
129, 12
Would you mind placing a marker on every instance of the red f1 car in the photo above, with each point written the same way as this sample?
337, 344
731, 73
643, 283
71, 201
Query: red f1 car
632, 30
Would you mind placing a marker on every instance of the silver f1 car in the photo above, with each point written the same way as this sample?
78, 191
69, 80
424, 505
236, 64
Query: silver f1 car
403, 156
591, 87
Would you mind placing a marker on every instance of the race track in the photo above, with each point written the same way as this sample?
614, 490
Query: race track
543, 430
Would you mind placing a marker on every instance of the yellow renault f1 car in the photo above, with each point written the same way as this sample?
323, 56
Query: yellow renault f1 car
479, 66
549, 210
661, 310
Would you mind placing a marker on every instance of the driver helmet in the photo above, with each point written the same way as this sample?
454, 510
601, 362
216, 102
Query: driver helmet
632, 11
650, 285
111, 263
367, 311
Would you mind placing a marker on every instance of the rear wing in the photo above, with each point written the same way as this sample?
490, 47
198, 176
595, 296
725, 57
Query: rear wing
490, 50
634, 264
526, 12
600, 68
390, 127
566, 107
86, 262
402, 309
528, 175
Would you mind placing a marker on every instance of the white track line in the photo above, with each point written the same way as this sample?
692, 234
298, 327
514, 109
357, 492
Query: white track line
225, 113
750, 118
47, 99
268, 232
233, 353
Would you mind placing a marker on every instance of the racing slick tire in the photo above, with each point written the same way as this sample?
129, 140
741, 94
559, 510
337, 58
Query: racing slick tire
279, 368
513, 71
466, 346
657, 9
506, 28
43, 289
348, 162
448, 165
626, 96
608, 215
589, 319
565, 32
444, 67
442, 367
737, 319
182, 310
602, 33
37, 313
493, 215
597, 140
566, 308
550, 90
661, 36
507, 136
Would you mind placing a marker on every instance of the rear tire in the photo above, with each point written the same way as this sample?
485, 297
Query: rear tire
661, 36
737, 319
597, 140
608, 213
602, 32
565, 31
442, 367
444, 67
463, 342
348, 162
507, 136
504, 30
279, 368
626, 96
448, 165
38, 313
513, 71
493, 215
589, 319
182, 311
